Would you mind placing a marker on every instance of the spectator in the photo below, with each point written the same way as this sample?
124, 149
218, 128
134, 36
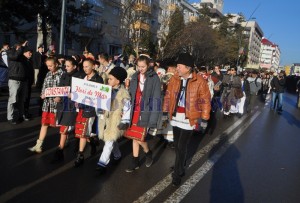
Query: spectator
38, 61
27, 62
277, 87
17, 83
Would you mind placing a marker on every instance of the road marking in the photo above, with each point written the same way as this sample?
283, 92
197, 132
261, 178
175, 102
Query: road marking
164, 183
184, 189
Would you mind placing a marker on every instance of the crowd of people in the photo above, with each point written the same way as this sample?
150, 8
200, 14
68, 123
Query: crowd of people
172, 99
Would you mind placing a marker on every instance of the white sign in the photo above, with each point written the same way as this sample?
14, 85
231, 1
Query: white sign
91, 93
57, 91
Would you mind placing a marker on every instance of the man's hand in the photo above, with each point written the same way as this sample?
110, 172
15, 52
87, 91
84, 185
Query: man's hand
202, 125
165, 119
43, 96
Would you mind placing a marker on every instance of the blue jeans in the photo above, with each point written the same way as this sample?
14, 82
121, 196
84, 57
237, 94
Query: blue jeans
279, 97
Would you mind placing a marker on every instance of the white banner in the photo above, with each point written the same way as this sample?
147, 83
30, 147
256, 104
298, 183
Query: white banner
91, 93
57, 91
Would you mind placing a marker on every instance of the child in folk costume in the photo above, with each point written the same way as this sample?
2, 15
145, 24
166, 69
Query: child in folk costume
108, 121
52, 79
66, 110
86, 115
145, 92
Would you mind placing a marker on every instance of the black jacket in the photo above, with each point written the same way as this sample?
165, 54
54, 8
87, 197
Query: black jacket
278, 85
89, 111
29, 71
16, 70
66, 110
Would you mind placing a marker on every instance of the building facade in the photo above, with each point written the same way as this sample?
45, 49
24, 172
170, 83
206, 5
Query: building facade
269, 54
254, 34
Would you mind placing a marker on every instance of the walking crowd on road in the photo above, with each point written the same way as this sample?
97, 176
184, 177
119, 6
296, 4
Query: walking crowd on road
171, 99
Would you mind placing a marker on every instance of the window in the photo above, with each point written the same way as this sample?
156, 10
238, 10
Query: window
116, 11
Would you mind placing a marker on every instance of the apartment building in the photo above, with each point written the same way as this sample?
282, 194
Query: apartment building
254, 34
269, 54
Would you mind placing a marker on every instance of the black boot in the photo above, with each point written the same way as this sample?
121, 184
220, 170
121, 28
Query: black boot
149, 159
58, 155
79, 160
134, 165
93, 144
101, 169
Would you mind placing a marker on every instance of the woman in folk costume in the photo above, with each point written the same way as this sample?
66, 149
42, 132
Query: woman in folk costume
52, 79
108, 121
66, 110
86, 115
145, 92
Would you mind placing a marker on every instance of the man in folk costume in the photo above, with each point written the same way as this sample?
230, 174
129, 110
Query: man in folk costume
186, 103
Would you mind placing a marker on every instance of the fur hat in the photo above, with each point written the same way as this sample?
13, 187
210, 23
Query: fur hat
119, 73
186, 59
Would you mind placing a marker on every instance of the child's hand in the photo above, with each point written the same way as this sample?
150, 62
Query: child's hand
57, 99
43, 96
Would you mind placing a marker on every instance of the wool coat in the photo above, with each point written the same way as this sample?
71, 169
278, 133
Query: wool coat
109, 121
151, 99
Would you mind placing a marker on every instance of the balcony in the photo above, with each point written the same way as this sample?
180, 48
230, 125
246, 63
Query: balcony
141, 25
172, 7
193, 18
142, 7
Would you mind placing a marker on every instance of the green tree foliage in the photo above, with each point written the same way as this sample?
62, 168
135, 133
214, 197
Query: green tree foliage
15, 13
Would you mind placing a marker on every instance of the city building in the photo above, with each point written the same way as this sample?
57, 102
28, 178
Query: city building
269, 54
254, 34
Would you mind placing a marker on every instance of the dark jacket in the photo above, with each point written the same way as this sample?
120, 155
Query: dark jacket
151, 99
29, 71
89, 111
278, 85
246, 87
66, 110
16, 70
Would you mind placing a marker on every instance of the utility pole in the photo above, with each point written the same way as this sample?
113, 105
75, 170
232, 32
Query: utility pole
62, 28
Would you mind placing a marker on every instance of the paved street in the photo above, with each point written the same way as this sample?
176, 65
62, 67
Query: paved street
250, 159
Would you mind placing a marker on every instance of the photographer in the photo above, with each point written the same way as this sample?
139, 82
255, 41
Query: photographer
277, 87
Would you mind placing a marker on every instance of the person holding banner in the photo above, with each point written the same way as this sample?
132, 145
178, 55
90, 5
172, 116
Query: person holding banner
86, 115
52, 79
145, 94
108, 121
66, 110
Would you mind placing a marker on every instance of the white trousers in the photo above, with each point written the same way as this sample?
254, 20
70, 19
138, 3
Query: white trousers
240, 104
109, 147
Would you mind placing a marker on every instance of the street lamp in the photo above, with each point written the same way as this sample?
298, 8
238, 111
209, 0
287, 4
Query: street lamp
62, 27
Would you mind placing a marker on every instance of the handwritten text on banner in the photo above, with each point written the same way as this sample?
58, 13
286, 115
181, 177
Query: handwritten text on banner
91, 93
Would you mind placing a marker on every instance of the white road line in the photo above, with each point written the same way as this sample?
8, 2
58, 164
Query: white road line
184, 189
164, 183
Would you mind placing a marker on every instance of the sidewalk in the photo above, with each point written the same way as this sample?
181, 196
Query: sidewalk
4, 93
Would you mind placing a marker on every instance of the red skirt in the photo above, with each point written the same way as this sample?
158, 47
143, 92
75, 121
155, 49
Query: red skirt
136, 132
48, 119
81, 125
64, 130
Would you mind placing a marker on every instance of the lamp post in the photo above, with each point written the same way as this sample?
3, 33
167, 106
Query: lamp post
62, 27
